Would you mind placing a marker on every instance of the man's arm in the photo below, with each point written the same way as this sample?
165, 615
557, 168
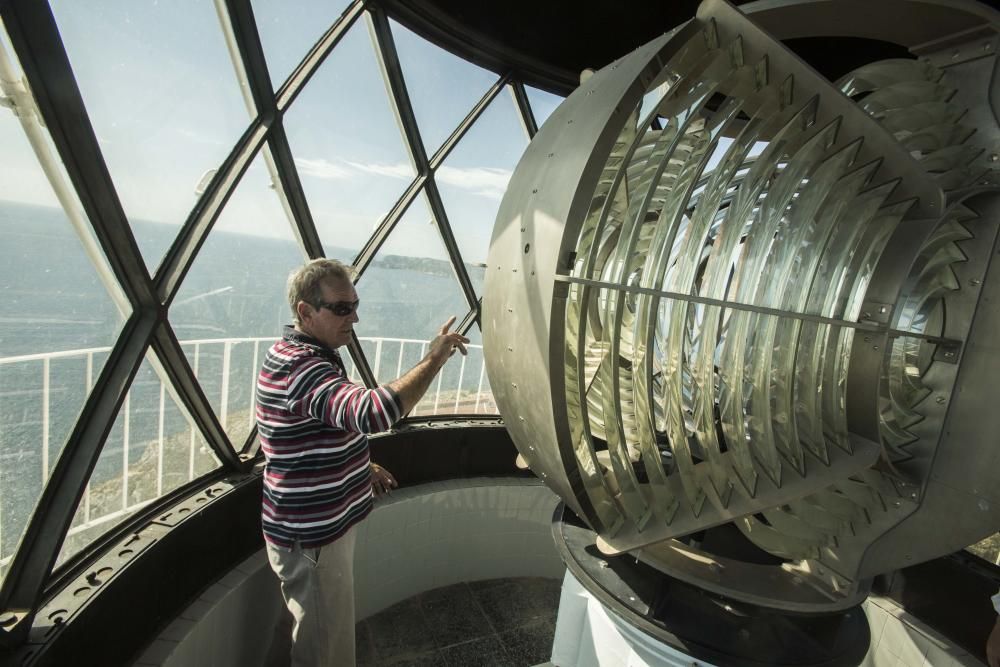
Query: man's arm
412, 385
993, 643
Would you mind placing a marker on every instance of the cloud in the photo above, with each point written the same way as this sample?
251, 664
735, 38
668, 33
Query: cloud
481, 181
399, 170
486, 182
322, 169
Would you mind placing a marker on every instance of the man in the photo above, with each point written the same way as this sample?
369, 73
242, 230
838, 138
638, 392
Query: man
993, 643
318, 477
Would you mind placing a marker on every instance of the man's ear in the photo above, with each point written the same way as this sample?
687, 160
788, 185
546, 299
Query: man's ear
304, 310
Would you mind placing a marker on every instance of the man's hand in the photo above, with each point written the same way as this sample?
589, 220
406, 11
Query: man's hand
993, 646
382, 480
412, 385
444, 344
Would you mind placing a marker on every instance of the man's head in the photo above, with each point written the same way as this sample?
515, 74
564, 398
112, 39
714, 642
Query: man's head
323, 301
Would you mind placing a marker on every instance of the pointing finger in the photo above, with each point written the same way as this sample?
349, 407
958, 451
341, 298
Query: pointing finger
447, 325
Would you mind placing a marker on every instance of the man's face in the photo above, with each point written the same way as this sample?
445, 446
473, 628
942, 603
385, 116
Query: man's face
322, 323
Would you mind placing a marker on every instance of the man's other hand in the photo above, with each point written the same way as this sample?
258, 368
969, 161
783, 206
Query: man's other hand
382, 480
445, 343
993, 646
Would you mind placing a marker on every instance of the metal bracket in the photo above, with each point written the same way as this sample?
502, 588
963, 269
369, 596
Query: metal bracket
948, 352
12, 625
979, 43
186, 509
873, 311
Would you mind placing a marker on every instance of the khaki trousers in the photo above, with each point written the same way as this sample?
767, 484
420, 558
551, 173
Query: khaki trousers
318, 587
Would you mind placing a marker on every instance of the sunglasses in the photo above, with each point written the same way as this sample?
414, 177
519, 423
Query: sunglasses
340, 308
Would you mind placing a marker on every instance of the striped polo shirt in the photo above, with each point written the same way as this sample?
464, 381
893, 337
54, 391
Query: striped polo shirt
313, 425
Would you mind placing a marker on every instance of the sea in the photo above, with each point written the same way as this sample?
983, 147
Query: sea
54, 301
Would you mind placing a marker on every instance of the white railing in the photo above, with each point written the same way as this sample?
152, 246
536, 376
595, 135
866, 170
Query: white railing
468, 394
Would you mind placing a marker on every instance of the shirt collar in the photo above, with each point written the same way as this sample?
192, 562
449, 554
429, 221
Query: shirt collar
293, 335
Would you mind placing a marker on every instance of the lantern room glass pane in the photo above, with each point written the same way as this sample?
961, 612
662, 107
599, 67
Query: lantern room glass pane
348, 149
152, 449
232, 304
164, 101
61, 312
287, 36
442, 87
473, 179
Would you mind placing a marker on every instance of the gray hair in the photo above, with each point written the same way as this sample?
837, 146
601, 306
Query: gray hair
306, 282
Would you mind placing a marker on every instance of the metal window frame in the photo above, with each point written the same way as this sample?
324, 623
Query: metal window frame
38, 47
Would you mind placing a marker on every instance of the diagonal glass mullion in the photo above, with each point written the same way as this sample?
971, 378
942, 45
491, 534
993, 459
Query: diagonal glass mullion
399, 209
181, 254
525, 112
239, 29
463, 127
191, 395
319, 52
402, 107
38, 549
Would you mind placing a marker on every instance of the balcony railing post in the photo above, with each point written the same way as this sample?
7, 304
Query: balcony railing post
437, 392
194, 429
159, 442
126, 407
253, 375
479, 391
378, 358
458, 389
227, 353
46, 369
165, 437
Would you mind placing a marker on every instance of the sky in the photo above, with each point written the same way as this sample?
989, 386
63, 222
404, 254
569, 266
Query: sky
165, 103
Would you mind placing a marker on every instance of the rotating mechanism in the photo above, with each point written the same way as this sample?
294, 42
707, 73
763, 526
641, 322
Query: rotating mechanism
724, 290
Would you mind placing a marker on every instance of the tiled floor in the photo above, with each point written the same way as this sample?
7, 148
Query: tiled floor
495, 623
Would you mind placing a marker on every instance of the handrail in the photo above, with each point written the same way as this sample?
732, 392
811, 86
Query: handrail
154, 467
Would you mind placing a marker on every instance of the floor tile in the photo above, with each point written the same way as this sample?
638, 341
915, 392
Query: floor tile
483, 584
429, 659
529, 644
454, 616
400, 630
483, 652
518, 603
364, 648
